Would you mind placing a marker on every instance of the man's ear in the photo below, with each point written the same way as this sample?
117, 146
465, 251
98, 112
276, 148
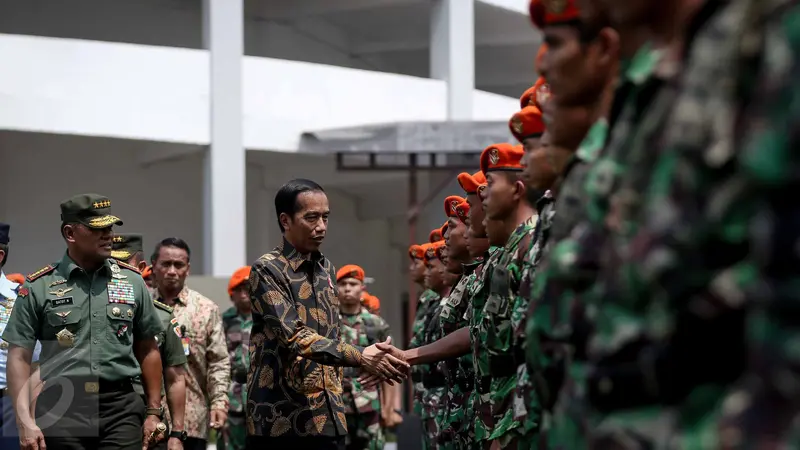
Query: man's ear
69, 232
141, 266
284, 219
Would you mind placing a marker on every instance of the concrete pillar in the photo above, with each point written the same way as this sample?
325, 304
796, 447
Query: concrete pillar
453, 53
224, 221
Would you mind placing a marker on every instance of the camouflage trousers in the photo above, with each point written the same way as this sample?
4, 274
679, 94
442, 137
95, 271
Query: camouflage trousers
234, 435
364, 431
456, 425
434, 405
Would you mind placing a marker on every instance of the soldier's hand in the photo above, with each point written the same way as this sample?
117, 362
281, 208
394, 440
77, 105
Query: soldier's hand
31, 438
218, 418
150, 433
383, 363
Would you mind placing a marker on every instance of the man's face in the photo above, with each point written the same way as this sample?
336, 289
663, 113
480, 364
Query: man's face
171, 268
539, 171
417, 270
350, 290
456, 243
306, 228
90, 242
433, 274
570, 67
501, 195
476, 215
240, 297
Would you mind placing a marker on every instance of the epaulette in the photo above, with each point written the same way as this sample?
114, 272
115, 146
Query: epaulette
41, 272
163, 306
128, 266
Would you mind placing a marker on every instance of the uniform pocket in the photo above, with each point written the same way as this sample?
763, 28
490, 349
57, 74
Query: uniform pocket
120, 322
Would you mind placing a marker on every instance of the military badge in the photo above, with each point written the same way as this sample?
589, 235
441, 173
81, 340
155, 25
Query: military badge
516, 125
494, 156
65, 338
22, 292
57, 282
453, 206
63, 315
60, 292
122, 330
555, 6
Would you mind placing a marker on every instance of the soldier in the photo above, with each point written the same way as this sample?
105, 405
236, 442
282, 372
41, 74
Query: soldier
127, 248
237, 321
362, 328
95, 319
426, 299
147, 276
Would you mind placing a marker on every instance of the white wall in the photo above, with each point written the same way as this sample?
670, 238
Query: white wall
161, 94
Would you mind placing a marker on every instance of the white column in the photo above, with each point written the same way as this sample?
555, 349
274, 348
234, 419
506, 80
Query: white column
224, 221
453, 53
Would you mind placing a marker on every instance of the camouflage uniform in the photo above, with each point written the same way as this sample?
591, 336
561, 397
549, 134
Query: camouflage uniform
497, 332
529, 401
456, 421
427, 300
237, 334
701, 196
433, 380
478, 293
764, 410
362, 406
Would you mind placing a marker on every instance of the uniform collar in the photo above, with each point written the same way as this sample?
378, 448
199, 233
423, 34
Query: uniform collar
183, 296
8, 288
295, 258
67, 266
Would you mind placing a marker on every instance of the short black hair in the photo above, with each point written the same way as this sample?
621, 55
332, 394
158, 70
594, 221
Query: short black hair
286, 198
171, 242
4, 248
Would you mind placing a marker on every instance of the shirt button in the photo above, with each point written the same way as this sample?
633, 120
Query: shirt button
94, 314
94, 366
94, 341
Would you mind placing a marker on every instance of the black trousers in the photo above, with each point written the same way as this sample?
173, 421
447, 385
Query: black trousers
295, 443
194, 444
109, 419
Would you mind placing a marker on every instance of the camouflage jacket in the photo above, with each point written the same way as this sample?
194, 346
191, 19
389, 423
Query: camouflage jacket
237, 333
478, 293
428, 299
362, 329
496, 327
458, 371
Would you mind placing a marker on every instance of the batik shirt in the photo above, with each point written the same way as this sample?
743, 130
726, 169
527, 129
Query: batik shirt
208, 375
496, 327
361, 329
294, 387
237, 334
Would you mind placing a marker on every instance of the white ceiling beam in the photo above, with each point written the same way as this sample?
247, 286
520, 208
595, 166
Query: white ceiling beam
424, 44
295, 9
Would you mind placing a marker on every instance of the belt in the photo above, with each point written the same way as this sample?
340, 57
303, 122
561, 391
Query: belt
95, 386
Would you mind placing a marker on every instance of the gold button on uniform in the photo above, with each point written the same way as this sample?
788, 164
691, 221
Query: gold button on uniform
115, 311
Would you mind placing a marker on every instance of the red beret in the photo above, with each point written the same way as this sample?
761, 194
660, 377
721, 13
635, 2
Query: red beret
469, 183
450, 204
462, 211
553, 12
350, 271
527, 123
501, 157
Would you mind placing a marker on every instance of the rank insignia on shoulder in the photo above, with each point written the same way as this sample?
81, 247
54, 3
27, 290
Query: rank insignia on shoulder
128, 266
57, 282
41, 272
163, 306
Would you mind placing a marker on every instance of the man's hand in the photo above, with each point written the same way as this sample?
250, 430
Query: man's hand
391, 418
31, 438
174, 444
390, 351
150, 432
382, 360
218, 418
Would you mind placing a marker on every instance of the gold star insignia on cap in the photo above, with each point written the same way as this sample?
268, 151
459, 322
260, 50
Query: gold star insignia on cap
102, 204
118, 239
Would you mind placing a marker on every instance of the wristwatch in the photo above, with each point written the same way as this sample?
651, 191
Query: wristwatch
158, 412
178, 435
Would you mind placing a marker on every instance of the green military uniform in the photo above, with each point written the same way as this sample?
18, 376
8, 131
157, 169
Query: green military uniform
237, 333
456, 428
125, 246
433, 380
362, 406
426, 299
478, 293
87, 323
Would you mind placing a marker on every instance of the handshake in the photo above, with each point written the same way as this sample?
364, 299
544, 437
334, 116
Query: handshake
384, 363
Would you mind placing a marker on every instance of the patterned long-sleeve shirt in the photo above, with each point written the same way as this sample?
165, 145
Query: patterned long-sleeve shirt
209, 369
294, 387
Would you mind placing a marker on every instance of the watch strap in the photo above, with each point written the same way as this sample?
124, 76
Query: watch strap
154, 412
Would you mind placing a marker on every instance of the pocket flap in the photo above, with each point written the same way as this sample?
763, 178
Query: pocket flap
120, 311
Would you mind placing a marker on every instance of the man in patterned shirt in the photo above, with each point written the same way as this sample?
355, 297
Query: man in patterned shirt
360, 327
237, 322
209, 369
294, 389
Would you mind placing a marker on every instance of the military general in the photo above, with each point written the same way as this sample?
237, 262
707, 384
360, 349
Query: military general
97, 325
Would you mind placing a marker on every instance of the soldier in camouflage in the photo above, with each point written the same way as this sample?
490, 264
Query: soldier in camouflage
237, 321
361, 328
